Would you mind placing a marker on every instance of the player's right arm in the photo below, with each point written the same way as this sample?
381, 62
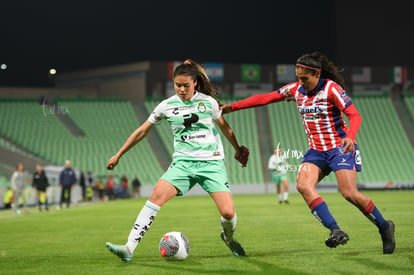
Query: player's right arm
133, 139
284, 93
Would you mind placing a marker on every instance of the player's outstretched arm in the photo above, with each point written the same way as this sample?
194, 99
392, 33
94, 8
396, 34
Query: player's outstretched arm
253, 101
133, 139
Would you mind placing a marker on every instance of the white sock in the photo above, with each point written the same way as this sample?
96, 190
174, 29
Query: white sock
142, 224
229, 226
285, 196
280, 197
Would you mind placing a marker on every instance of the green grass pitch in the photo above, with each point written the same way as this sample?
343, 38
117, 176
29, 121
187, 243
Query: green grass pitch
278, 239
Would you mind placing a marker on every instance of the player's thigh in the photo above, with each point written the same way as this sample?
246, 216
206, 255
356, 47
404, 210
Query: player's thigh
162, 192
308, 177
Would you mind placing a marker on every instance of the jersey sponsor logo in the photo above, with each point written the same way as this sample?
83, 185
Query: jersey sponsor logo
311, 118
216, 154
192, 137
343, 163
312, 109
177, 110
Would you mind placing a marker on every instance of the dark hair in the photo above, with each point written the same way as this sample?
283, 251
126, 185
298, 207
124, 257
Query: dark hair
197, 72
317, 61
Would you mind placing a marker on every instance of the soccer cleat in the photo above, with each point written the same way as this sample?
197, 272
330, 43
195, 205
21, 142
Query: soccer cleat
120, 251
234, 246
336, 238
388, 240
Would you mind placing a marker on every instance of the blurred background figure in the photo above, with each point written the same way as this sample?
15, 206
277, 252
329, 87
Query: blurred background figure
136, 188
125, 184
8, 198
82, 184
110, 185
41, 183
278, 167
99, 189
19, 185
67, 180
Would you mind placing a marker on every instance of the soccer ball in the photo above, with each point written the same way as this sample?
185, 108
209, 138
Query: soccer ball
174, 246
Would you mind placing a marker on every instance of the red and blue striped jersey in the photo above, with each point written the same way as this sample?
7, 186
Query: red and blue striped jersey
321, 111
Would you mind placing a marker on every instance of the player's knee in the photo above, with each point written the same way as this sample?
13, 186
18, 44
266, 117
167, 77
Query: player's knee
349, 196
228, 214
301, 185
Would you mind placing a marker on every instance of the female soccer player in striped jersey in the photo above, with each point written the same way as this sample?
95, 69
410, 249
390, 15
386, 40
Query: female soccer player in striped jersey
198, 155
321, 99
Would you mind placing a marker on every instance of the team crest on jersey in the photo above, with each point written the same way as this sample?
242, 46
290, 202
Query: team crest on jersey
201, 107
320, 95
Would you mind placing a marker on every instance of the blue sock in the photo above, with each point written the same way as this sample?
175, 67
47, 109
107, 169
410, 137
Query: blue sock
375, 216
321, 212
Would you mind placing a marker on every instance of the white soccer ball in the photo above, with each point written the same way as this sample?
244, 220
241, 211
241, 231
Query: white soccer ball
174, 246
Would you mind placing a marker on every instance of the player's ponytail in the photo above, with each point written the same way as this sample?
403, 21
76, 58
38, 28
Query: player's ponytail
316, 61
197, 72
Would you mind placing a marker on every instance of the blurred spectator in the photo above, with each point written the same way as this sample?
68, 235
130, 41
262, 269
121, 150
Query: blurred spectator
110, 185
89, 178
100, 188
124, 183
82, 184
18, 185
8, 198
41, 183
136, 188
67, 180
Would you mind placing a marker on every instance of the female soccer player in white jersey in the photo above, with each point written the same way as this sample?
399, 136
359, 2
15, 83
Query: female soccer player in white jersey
198, 155
321, 99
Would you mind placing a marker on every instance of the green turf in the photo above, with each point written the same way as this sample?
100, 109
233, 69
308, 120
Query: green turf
279, 239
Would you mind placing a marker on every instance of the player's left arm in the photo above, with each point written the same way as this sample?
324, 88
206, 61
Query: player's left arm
242, 152
344, 103
228, 133
354, 123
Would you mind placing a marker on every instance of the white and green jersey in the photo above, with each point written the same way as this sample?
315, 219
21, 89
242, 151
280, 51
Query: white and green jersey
278, 165
192, 123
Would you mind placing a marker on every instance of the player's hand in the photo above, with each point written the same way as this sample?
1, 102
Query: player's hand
112, 163
243, 155
226, 108
348, 145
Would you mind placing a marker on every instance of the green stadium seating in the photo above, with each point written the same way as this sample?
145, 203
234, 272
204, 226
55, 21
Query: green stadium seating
409, 101
106, 123
163, 128
244, 125
386, 152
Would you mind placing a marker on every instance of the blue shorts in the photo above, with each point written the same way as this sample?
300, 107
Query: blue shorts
334, 159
